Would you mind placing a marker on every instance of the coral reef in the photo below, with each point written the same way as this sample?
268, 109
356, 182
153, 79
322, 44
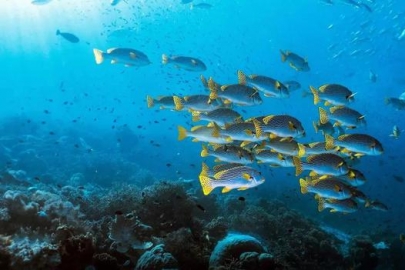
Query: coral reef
363, 255
156, 259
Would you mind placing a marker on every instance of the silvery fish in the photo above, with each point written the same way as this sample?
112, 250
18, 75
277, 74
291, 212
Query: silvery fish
268, 86
326, 163
184, 62
128, 57
332, 94
295, 61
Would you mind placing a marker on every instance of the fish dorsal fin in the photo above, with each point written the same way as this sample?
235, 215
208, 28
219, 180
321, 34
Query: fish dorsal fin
322, 88
312, 145
267, 119
343, 137
186, 98
335, 108
223, 87
219, 174
111, 50
311, 158
241, 77
291, 126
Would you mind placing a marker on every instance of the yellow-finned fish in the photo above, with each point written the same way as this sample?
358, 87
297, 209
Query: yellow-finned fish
295, 61
331, 188
326, 163
229, 153
361, 144
343, 116
326, 128
164, 102
273, 158
239, 94
354, 178
316, 148
286, 147
282, 126
344, 206
200, 103
396, 132
268, 86
126, 56
246, 131
203, 134
239, 177
221, 116
333, 94
184, 62
376, 205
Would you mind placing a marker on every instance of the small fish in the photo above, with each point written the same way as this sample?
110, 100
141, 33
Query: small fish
114, 2
273, 158
326, 163
397, 103
184, 62
128, 57
220, 116
292, 85
40, 2
282, 126
295, 61
239, 94
372, 76
200, 103
360, 144
343, 116
396, 132
164, 102
203, 134
344, 206
201, 6
333, 94
331, 188
68, 36
240, 177
269, 86
398, 178
229, 153
376, 205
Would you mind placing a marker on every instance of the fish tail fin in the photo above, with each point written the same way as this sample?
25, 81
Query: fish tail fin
204, 81
165, 59
316, 94
321, 204
204, 152
323, 116
283, 56
212, 86
304, 186
241, 77
315, 126
329, 142
57, 32
298, 165
99, 56
204, 169
206, 184
150, 101
182, 133
177, 103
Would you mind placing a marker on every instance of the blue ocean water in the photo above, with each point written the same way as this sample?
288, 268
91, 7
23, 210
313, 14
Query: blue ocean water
62, 114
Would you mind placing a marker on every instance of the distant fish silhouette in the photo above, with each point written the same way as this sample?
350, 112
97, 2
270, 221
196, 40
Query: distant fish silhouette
68, 36
114, 2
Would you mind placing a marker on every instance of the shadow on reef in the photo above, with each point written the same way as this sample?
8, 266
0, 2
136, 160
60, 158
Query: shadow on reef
168, 225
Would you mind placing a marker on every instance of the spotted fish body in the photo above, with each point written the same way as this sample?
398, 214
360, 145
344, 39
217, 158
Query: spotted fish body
220, 116
286, 147
332, 94
344, 206
362, 144
343, 116
282, 126
164, 102
331, 188
246, 131
326, 163
238, 177
273, 158
203, 134
295, 61
229, 153
201, 103
268, 86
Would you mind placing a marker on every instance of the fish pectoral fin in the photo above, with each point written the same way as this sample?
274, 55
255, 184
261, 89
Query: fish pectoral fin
226, 189
132, 55
194, 62
247, 176
113, 61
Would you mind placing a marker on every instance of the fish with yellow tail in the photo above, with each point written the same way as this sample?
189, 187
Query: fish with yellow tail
273, 158
358, 144
200, 103
286, 147
221, 116
332, 94
164, 102
239, 177
184, 62
331, 188
282, 125
343, 116
376, 205
294, 60
343, 206
228, 153
326, 163
203, 134
268, 86
125, 56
